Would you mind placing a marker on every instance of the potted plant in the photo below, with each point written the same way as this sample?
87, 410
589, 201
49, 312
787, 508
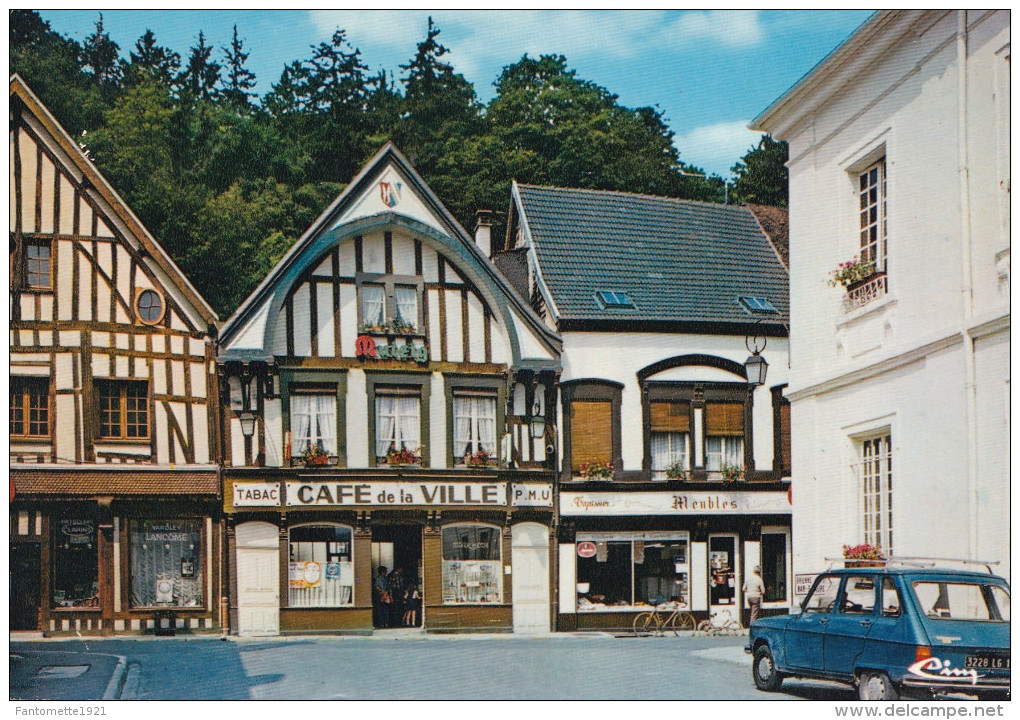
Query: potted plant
314, 455
595, 470
676, 471
731, 473
403, 457
852, 274
863, 555
482, 458
399, 326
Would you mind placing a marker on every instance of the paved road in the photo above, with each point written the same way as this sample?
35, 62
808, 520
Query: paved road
491, 667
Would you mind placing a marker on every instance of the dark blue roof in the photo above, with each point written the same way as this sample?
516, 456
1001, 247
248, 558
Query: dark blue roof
677, 260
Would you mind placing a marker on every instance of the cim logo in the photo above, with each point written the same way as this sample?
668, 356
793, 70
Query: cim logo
390, 193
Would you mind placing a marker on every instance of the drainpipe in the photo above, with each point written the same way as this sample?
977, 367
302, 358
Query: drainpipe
967, 284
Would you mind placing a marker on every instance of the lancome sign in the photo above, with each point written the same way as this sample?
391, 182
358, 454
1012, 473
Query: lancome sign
673, 503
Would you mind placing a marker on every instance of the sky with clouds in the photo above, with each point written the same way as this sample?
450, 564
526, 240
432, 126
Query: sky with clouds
710, 72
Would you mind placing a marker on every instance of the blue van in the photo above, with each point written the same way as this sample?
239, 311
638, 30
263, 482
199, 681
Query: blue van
909, 629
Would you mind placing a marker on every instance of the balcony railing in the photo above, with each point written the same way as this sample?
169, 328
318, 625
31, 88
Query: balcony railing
860, 294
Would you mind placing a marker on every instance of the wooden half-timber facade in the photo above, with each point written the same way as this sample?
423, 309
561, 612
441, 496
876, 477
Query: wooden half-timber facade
115, 511
387, 402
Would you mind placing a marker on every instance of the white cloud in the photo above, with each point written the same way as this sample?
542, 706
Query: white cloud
716, 147
730, 28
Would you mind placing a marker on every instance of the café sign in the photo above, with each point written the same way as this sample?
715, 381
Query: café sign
394, 494
673, 503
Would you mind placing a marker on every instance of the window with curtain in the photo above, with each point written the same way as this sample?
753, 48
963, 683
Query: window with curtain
373, 305
406, 300
472, 564
321, 571
313, 423
724, 435
398, 427
166, 562
474, 425
591, 432
670, 426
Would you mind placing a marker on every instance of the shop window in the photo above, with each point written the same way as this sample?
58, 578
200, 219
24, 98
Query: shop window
474, 428
123, 410
313, 427
166, 562
472, 564
30, 407
75, 563
38, 267
773, 565
321, 566
625, 570
724, 436
398, 427
670, 426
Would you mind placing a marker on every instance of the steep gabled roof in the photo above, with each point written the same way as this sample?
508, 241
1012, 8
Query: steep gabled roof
346, 203
102, 186
679, 261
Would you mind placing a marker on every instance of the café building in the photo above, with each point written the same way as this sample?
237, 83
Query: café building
673, 471
389, 402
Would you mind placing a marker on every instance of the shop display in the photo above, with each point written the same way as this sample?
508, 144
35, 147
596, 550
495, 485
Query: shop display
165, 562
472, 564
321, 569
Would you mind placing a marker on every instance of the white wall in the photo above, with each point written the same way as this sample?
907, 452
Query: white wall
905, 360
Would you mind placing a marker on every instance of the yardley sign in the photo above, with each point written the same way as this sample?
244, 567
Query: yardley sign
673, 503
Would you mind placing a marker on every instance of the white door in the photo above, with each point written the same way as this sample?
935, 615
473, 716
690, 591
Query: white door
530, 573
258, 579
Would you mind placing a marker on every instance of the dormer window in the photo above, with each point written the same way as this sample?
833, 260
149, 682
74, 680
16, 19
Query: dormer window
614, 300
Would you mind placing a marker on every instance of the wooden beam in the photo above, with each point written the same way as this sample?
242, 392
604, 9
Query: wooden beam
337, 338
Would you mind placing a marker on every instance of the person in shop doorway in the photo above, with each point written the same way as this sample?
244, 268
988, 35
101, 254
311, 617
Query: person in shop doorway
412, 604
754, 588
381, 597
396, 590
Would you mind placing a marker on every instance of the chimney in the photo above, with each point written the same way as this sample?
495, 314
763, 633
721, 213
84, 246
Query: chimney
483, 231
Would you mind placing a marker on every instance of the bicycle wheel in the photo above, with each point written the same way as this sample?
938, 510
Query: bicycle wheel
645, 623
684, 621
705, 626
733, 627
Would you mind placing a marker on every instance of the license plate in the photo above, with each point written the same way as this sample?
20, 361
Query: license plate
986, 662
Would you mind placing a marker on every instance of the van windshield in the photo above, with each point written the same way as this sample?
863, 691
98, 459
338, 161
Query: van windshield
962, 600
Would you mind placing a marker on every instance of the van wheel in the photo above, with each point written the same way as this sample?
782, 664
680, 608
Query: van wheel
764, 670
876, 686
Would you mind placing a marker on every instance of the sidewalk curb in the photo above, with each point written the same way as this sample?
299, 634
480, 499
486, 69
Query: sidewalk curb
116, 683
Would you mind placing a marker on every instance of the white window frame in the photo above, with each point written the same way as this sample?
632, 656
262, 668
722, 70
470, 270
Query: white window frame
316, 434
876, 493
876, 250
683, 454
412, 444
725, 440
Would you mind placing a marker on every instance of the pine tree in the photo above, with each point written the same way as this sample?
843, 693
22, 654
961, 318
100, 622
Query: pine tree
155, 61
202, 74
239, 82
100, 55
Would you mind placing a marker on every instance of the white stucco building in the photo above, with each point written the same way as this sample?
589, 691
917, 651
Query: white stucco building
899, 154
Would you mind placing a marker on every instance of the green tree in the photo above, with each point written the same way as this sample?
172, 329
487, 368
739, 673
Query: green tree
202, 73
100, 55
762, 175
155, 61
239, 82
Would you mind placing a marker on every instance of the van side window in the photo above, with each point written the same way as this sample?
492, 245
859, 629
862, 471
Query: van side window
859, 595
823, 597
890, 598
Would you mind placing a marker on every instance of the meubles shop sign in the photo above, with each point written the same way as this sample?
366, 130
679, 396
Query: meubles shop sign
392, 494
672, 503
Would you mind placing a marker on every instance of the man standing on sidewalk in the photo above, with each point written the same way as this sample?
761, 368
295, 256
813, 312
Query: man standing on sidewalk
754, 588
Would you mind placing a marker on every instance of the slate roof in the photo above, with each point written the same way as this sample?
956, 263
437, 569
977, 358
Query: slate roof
678, 260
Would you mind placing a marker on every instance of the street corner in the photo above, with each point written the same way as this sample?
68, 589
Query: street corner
55, 675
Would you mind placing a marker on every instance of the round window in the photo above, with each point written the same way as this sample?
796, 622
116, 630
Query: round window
149, 307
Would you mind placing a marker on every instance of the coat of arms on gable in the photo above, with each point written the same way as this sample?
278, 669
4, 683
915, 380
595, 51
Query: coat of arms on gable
390, 193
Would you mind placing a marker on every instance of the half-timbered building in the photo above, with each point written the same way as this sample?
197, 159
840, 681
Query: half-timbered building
114, 488
386, 405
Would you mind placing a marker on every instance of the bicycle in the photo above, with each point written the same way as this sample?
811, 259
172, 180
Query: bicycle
658, 622
722, 623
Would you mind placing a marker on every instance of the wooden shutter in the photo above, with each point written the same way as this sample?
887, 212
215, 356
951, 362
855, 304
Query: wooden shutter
670, 417
724, 419
785, 447
591, 432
